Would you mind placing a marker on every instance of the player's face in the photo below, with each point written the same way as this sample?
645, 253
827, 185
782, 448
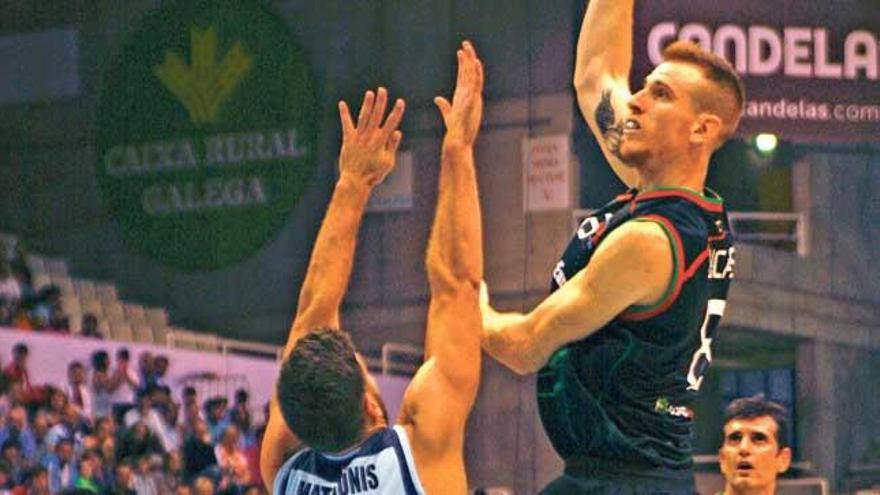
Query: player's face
750, 456
661, 115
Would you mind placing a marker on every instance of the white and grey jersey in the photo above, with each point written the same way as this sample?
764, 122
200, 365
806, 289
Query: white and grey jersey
382, 465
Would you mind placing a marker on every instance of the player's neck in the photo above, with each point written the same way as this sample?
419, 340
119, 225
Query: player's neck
688, 175
686, 170
372, 427
649, 182
764, 490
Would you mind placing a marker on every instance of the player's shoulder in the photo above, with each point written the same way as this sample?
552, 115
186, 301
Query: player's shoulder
285, 472
638, 234
690, 213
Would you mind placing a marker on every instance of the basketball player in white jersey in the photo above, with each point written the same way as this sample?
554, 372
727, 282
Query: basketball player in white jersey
328, 432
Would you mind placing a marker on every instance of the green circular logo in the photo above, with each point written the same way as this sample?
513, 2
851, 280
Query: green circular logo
207, 132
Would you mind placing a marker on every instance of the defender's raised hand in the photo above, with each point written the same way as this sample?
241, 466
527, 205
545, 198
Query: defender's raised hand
369, 148
462, 116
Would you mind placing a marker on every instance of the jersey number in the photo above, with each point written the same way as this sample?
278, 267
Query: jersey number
703, 357
721, 263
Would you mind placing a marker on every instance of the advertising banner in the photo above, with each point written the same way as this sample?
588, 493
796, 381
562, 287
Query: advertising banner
810, 66
207, 132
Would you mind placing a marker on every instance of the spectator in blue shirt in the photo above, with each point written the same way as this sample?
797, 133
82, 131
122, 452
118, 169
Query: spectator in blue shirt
17, 429
216, 417
61, 466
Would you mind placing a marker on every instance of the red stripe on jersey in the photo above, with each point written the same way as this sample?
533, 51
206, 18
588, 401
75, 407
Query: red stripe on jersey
706, 205
679, 280
692, 270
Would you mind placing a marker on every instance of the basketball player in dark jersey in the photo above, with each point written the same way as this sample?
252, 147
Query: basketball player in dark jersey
622, 342
328, 432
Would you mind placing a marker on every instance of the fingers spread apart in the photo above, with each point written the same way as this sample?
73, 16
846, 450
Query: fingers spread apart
370, 116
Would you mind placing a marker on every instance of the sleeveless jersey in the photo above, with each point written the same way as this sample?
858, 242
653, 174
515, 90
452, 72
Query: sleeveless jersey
382, 465
622, 395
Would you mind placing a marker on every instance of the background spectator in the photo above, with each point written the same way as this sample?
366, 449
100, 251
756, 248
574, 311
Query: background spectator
46, 312
144, 480
216, 417
89, 476
103, 384
10, 287
40, 428
198, 453
137, 442
38, 481
76, 388
89, 326
146, 372
203, 486
125, 395
57, 400
124, 479
19, 379
240, 416
755, 448
160, 369
18, 430
15, 464
70, 426
232, 461
61, 466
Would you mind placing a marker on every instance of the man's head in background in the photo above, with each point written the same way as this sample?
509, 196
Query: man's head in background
755, 449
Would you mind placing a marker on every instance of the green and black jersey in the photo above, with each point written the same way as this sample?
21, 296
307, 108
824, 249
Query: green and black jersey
622, 396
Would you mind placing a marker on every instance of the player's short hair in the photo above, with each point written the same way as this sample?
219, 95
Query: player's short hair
727, 104
321, 391
757, 406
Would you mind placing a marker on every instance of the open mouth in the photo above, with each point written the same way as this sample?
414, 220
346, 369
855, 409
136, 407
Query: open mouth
631, 125
744, 466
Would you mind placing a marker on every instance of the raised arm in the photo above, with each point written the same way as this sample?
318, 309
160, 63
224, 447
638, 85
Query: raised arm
633, 266
601, 75
440, 397
367, 155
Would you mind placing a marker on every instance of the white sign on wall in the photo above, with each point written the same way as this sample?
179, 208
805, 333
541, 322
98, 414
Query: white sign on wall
395, 192
546, 178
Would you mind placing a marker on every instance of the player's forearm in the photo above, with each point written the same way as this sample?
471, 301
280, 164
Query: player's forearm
333, 253
605, 43
455, 249
508, 338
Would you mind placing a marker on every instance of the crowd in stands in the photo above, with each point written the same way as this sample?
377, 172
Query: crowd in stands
114, 427
21, 306
26, 307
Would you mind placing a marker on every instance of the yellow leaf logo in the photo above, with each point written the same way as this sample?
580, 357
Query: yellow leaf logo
205, 85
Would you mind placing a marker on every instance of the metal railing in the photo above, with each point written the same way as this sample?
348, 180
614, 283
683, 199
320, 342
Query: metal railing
786, 485
799, 237
408, 366
209, 342
244, 347
387, 364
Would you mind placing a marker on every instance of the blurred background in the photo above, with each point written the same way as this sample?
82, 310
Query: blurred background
165, 167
